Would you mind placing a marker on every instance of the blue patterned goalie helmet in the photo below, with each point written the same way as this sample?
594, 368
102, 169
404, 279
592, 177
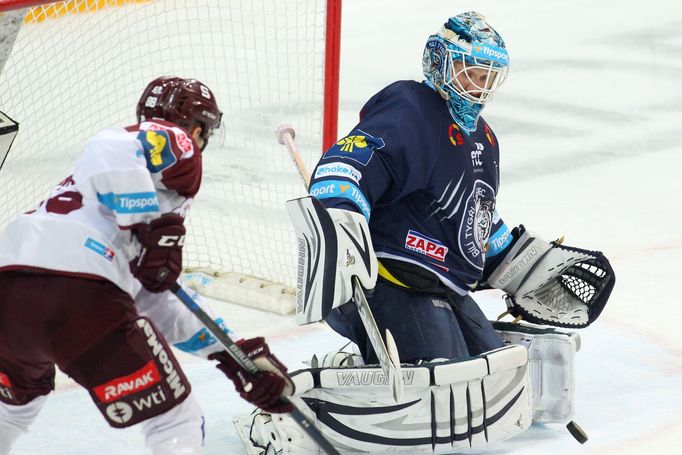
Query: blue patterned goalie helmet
466, 61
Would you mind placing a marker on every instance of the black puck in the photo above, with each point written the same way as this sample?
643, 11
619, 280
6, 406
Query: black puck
577, 432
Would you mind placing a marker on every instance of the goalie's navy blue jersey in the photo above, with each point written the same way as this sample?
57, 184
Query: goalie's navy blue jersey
427, 189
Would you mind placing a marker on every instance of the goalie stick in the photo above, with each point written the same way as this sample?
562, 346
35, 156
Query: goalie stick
387, 352
245, 362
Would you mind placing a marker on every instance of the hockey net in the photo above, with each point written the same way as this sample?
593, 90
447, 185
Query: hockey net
79, 66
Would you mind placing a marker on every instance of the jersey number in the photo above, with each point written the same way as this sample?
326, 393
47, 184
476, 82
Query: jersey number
64, 203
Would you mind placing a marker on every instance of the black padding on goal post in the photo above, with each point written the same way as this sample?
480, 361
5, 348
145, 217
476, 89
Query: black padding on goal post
8, 131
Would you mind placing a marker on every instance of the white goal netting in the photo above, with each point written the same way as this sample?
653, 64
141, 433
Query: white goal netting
79, 66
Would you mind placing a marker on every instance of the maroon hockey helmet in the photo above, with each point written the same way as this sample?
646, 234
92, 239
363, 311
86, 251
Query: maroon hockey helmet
185, 102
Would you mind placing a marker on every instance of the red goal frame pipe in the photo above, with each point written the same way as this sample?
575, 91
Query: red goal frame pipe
9, 5
332, 59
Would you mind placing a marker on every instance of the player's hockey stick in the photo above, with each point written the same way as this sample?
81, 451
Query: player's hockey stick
387, 352
245, 362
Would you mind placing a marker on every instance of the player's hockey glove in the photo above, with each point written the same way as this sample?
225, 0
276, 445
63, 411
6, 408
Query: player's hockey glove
159, 263
265, 389
550, 283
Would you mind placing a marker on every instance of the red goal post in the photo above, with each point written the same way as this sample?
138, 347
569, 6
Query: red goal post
78, 66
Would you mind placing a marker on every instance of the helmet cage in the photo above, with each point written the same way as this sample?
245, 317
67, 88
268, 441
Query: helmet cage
484, 76
465, 62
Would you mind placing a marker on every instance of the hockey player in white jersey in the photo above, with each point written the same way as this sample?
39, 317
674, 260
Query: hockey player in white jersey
85, 279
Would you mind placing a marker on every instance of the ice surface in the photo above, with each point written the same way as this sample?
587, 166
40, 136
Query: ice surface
589, 123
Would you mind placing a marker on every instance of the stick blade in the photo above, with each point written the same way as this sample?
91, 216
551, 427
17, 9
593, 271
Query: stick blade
388, 359
397, 386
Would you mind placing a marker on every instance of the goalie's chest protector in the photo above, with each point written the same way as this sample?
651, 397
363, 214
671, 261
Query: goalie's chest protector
439, 211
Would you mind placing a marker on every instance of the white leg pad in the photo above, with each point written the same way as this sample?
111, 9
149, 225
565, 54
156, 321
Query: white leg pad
15, 420
447, 406
551, 354
178, 431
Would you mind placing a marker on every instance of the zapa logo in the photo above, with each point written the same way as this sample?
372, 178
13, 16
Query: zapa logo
427, 246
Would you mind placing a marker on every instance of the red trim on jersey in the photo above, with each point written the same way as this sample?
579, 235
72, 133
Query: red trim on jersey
4, 380
43, 271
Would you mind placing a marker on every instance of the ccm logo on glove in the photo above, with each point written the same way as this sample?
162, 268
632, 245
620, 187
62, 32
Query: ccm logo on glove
159, 263
168, 241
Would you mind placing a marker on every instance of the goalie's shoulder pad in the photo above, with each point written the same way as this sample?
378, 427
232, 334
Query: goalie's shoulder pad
333, 246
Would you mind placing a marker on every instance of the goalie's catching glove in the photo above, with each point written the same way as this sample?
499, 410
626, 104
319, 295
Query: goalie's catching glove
264, 389
159, 263
553, 284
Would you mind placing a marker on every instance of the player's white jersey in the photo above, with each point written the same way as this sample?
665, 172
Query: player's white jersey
124, 177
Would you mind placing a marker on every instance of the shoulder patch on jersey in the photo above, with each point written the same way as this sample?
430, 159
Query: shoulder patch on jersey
455, 135
338, 170
357, 146
489, 134
181, 143
157, 150
341, 189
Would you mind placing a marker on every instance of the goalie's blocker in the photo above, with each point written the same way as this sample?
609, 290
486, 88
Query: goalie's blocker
553, 284
333, 246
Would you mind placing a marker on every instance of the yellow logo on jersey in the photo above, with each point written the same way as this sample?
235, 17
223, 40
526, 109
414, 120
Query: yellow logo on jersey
348, 143
158, 142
